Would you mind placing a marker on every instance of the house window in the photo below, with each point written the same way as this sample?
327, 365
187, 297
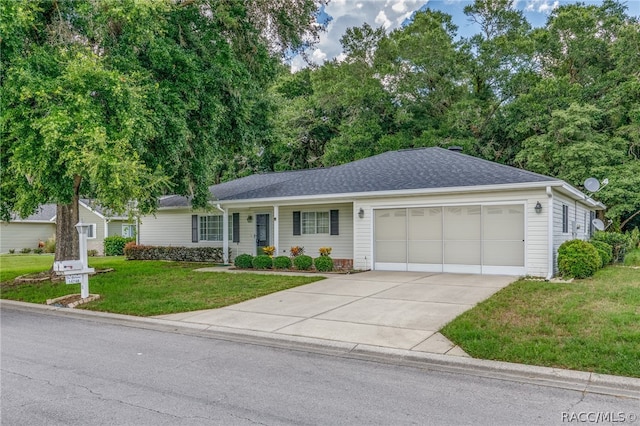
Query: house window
91, 231
565, 219
128, 230
210, 228
315, 222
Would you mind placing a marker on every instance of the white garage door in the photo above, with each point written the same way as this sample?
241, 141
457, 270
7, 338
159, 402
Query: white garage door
473, 239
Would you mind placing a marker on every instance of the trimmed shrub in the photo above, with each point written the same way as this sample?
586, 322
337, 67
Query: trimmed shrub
176, 254
262, 262
282, 262
618, 242
604, 250
323, 263
38, 250
114, 245
12, 251
25, 250
243, 261
303, 262
578, 259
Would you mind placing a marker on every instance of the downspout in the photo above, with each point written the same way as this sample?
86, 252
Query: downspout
550, 233
225, 234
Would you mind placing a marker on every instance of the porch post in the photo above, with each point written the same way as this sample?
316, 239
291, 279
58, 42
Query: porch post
225, 236
276, 229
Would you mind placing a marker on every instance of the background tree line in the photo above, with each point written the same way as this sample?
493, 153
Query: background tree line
562, 100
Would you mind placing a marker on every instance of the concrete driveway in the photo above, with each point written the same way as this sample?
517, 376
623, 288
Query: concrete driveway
402, 310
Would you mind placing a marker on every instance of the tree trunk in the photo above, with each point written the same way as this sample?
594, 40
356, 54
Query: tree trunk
67, 215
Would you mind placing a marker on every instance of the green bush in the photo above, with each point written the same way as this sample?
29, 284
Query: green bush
323, 263
282, 262
38, 250
632, 258
577, 258
262, 262
634, 239
303, 262
25, 250
243, 261
50, 245
114, 245
176, 254
12, 251
92, 253
604, 250
618, 242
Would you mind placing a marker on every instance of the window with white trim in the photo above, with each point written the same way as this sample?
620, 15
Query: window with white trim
128, 230
565, 219
315, 222
210, 228
91, 231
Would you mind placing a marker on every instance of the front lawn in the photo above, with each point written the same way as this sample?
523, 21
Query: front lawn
145, 288
588, 325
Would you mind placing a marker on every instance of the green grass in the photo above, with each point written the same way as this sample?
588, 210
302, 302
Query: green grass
588, 325
146, 288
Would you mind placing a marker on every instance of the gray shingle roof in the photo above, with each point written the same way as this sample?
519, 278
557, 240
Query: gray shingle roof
421, 168
45, 213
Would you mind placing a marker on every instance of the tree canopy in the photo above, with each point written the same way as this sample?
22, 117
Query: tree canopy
122, 100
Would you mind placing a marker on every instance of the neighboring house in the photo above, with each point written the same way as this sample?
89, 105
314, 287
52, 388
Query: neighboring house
427, 209
26, 233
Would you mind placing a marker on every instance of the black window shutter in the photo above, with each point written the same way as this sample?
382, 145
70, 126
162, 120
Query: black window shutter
236, 228
296, 223
334, 222
194, 228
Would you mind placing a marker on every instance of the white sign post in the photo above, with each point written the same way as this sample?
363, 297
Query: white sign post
77, 271
83, 231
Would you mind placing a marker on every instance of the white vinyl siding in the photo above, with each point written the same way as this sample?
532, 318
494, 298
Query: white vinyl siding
572, 213
19, 235
341, 245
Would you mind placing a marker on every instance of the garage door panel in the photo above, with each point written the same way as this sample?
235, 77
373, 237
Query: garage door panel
503, 253
462, 223
391, 224
466, 239
462, 252
503, 222
425, 223
391, 251
425, 251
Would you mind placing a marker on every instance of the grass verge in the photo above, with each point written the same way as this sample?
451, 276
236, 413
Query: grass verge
146, 288
589, 325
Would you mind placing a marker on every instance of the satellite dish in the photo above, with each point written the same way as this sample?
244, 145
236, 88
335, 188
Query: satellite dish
598, 224
592, 184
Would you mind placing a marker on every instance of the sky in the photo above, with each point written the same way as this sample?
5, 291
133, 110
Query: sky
343, 14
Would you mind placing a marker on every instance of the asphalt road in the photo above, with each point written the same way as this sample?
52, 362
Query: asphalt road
61, 370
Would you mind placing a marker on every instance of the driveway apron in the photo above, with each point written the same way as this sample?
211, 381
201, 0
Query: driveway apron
401, 310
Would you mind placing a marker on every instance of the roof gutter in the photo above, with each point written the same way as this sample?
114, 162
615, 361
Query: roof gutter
550, 234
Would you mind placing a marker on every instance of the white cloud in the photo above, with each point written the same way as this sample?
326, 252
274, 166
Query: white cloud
318, 56
399, 7
382, 19
541, 6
